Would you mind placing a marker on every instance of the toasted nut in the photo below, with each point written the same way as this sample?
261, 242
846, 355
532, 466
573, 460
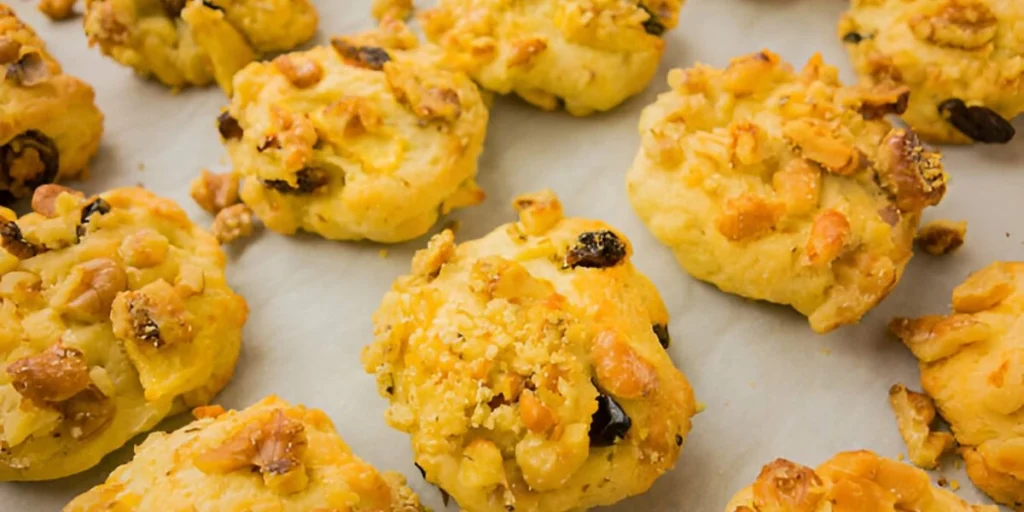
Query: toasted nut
817, 143
535, 415
538, 212
748, 216
44, 198
53, 375
783, 485
748, 143
87, 413
911, 174
941, 237
369, 57
430, 96
830, 233
619, 369
984, 289
9, 50
31, 69
214, 192
931, 338
524, 51
154, 315
90, 289
274, 447
915, 413
302, 74
57, 9
144, 248
962, 24
441, 248
232, 223
14, 242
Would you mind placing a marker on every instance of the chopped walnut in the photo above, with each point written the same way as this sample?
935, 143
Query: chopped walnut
274, 447
784, 485
441, 248
154, 315
54, 375
14, 242
962, 24
90, 289
215, 192
31, 69
87, 413
44, 199
535, 415
915, 413
145, 248
941, 237
354, 116
524, 51
57, 9
817, 143
746, 74
883, 99
984, 289
302, 73
798, 185
538, 212
830, 233
619, 369
430, 95
748, 216
233, 223
368, 57
911, 174
931, 338
396, 9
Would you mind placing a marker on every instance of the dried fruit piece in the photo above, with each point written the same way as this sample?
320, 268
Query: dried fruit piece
97, 207
14, 242
609, 423
228, 126
369, 57
596, 249
977, 122
308, 180
941, 237
661, 331
57, 10
651, 25
173, 7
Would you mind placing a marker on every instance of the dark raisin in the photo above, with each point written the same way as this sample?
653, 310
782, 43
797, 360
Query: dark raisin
610, 423
445, 497
979, 123
370, 57
14, 242
228, 126
174, 7
423, 473
596, 249
652, 26
307, 181
679, 440
87, 413
210, 5
853, 38
97, 207
268, 142
661, 331
26, 179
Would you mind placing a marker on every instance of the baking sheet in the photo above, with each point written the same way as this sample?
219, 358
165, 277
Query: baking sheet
772, 388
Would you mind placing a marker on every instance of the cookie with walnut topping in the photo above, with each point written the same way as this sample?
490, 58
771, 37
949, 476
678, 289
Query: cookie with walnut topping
962, 59
784, 186
195, 42
528, 366
272, 456
114, 314
581, 55
853, 481
367, 138
49, 124
972, 365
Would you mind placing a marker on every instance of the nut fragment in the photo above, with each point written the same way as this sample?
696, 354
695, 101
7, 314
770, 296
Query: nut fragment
748, 216
816, 142
29, 70
619, 369
302, 74
14, 242
369, 57
57, 9
9, 50
884, 99
909, 172
784, 485
596, 249
829, 234
91, 289
54, 375
441, 248
915, 413
941, 237
228, 126
154, 315
233, 223
393, 9
45, 197
87, 413
215, 192
961, 24
978, 122
431, 96
274, 447
538, 212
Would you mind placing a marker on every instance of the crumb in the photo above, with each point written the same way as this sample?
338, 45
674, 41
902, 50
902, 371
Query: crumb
57, 10
941, 237
955, 485
383, 254
942, 482
915, 413
233, 223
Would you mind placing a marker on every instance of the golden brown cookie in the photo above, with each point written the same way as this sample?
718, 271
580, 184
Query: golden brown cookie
114, 314
962, 59
49, 124
849, 482
529, 366
364, 139
784, 186
196, 42
581, 55
972, 365
270, 456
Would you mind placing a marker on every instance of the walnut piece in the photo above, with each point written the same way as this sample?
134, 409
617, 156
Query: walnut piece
233, 223
430, 94
274, 447
830, 233
915, 413
154, 315
214, 192
441, 248
538, 212
941, 237
54, 375
44, 199
91, 289
912, 174
302, 73
57, 10
962, 24
784, 485
748, 216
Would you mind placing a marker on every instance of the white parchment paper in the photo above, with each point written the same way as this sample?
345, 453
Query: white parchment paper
772, 387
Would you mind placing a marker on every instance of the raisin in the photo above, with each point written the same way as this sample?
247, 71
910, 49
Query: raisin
14, 242
596, 249
97, 206
228, 127
652, 26
174, 7
679, 440
423, 472
661, 331
307, 181
210, 5
17, 179
979, 123
370, 57
853, 38
609, 424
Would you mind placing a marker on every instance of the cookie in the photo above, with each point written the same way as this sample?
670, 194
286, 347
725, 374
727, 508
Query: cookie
850, 481
49, 124
972, 365
963, 61
114, 314
196, 42
784, 186
364, 139
270, 456
581, 55
529, 366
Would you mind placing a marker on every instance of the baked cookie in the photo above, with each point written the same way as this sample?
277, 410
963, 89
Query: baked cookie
49, 124
196, 42
972, 365
784, 186
529, 366
114, 314
851, 481
582, 55
962, 59
363, 139
270, 456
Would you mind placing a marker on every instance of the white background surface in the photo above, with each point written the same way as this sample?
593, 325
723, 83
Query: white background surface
772, 387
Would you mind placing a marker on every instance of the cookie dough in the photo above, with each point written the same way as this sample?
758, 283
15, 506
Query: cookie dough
972, 365
364, 139
581, 55
784, 186
850, 481
49, 124
196, 42
962, 59
529, 366
114, 314
270, 456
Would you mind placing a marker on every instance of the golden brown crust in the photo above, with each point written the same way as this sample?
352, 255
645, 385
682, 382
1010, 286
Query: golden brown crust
970, 365
270, 456
528, 367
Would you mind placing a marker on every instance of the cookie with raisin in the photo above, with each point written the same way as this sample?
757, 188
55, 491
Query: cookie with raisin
962, 60
972, 366
271, 455
114, 314
367, 138
584, 56
196, 42
529, 366
784, 186
851, 481
49, 124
